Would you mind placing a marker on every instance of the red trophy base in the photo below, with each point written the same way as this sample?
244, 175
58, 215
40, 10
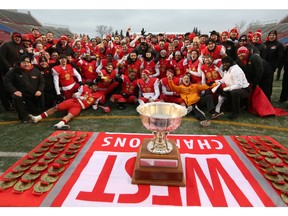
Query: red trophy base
158, 169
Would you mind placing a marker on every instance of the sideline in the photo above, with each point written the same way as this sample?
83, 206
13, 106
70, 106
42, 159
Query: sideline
259, 126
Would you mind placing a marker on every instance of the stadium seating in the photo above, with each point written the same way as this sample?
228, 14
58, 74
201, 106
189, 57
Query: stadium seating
12, 20
281, 27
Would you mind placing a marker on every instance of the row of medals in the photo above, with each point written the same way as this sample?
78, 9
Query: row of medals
270, 158
43, 166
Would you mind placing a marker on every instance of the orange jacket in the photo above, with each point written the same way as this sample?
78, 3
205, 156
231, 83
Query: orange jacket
190, 94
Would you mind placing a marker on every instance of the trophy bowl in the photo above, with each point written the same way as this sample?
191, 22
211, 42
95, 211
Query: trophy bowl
161, 118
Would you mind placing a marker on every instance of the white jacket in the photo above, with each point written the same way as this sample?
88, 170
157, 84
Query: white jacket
235, 78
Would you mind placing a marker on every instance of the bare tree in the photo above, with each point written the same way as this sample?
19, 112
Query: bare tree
103, 30
240, 26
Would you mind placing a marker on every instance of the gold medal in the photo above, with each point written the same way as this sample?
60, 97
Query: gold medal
270, 171
42, 149
284, 156
281, 169
48, 178
56, 150
241, 139
82, 135
255, 156
42, 187
47, 144
273, 160
39, 167
46, 160
52, 139
73, 146
20, 187
49, 155
267, 153
29, 176
279, 150
20, 167
66, 135
267, 141
28, 161
66, 157
275, 178
53, 171
80, 141
64, 140
60, 145
7, 184
284, 197
35, 154
263, 163
13, 175
247, 147
254, 141
281, 187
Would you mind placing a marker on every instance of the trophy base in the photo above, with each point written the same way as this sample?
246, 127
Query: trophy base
158, 169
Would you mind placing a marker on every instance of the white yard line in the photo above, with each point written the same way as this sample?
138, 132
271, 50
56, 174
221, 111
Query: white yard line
12, 154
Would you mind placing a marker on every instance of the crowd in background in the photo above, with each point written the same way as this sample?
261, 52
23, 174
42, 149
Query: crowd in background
215, 73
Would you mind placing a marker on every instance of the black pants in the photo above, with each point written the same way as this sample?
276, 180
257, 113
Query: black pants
5, 96
237, 96
205, 101
284, 91
26, 105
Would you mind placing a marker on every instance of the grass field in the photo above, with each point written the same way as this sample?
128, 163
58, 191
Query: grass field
17, 139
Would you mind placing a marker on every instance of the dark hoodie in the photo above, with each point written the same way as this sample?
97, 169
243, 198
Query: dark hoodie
146, 47
10, 53
274, 51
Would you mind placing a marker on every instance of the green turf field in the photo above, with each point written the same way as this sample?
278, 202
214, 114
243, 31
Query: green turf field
17, 137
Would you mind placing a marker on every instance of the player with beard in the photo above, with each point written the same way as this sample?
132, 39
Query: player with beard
87, 67
122, 51
236, 86
105, 61
128, 93
130, 63
164, 64
106, 83
62, 47
178, 63
150, 65
148, 88
143, 47
216, 51
257, 70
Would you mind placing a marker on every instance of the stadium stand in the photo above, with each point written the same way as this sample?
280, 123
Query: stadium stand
266, 27
13, 20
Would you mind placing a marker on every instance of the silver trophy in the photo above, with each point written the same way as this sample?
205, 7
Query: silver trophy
161, 118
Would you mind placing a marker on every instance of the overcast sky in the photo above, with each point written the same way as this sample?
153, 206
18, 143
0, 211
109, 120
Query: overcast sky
85, 21
168, 16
